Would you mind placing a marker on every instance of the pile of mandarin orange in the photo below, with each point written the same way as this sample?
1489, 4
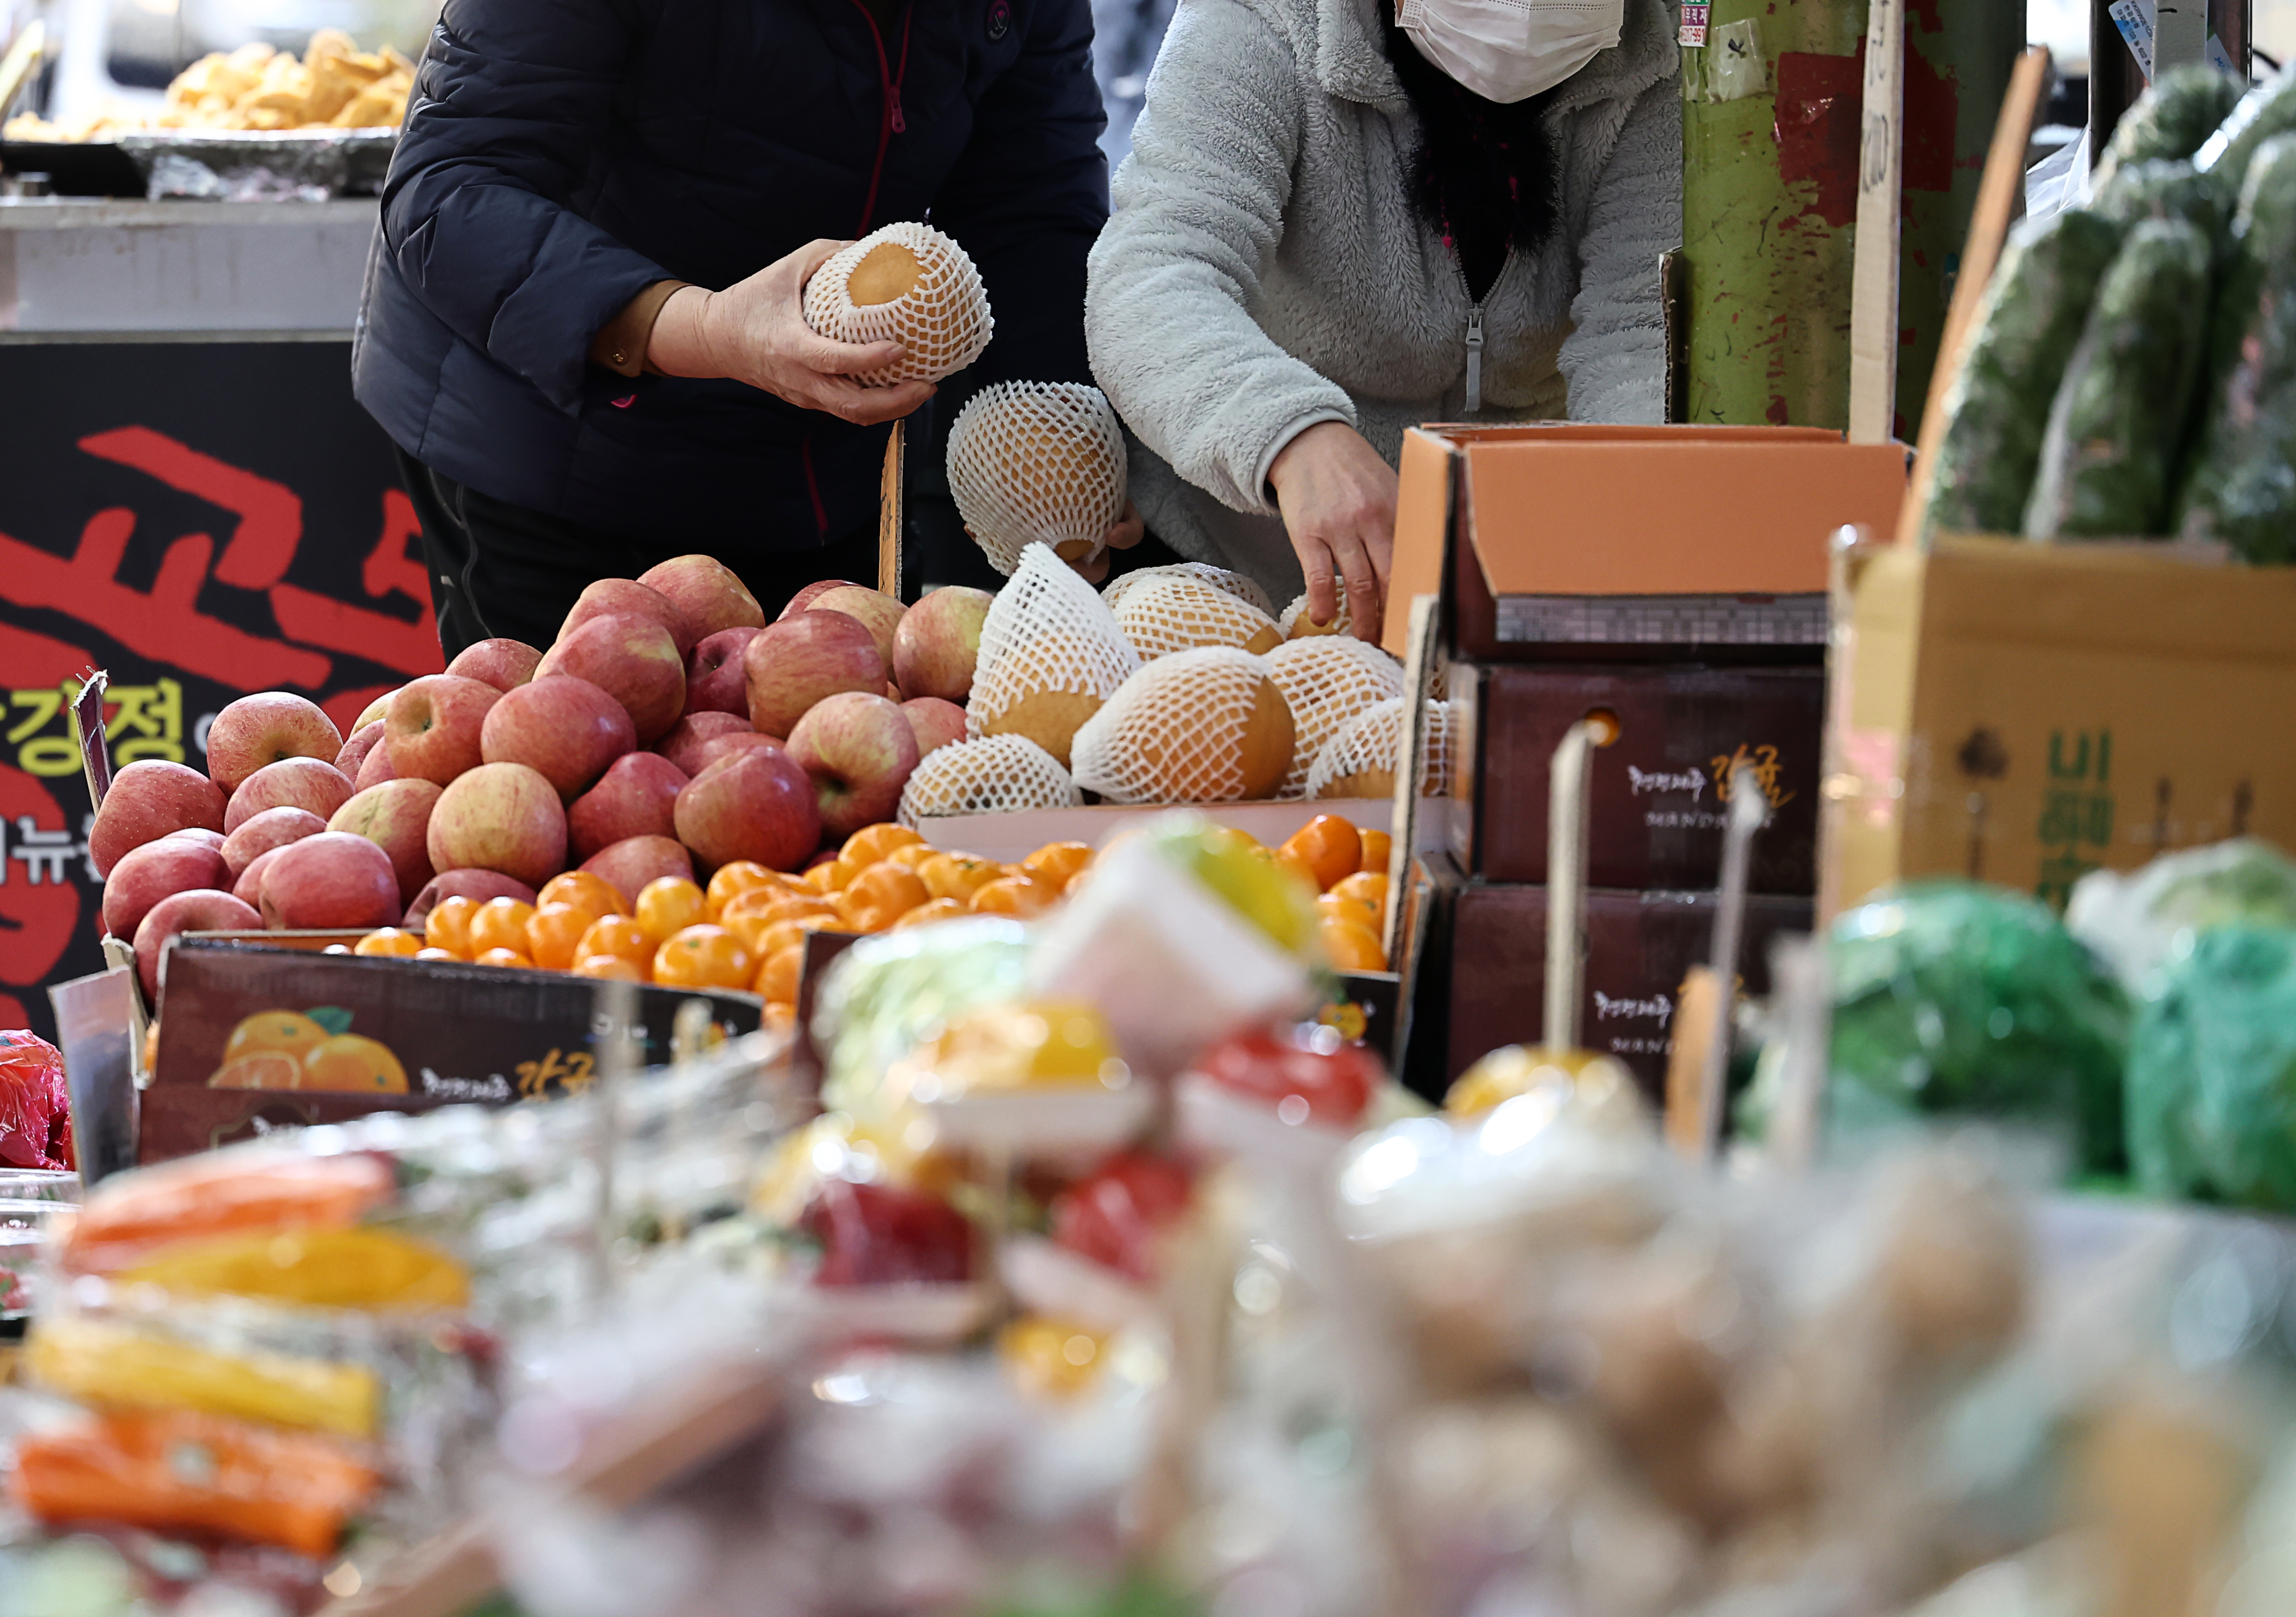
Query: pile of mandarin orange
746, 929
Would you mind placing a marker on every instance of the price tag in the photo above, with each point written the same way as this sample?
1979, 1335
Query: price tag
1694, 25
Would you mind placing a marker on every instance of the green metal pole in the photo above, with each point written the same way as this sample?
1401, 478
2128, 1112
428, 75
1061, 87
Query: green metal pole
1769, 195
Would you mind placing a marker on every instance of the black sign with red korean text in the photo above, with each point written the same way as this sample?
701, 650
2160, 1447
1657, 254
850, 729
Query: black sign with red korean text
201, 519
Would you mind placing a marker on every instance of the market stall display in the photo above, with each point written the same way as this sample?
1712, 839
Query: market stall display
335, 85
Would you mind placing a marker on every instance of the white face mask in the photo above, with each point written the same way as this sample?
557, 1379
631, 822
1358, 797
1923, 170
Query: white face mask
1510, 50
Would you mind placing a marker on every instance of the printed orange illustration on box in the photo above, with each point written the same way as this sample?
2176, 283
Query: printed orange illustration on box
312, 1049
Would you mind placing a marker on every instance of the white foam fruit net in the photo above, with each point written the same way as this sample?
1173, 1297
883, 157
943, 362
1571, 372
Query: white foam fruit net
1359, 759
1178, 614
1031, 461
1236, 584
1328, 680
1051, 653
1297, 625
998, 774
1207, 725
943, 321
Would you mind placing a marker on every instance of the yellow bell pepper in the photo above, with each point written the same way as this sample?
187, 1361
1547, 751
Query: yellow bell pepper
117, 1366
322, 1268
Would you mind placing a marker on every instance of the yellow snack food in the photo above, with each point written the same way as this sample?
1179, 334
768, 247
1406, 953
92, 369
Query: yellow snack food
114, 1366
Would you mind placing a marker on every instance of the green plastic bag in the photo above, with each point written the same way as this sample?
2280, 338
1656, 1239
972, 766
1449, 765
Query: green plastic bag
2212, 1073
1956, 999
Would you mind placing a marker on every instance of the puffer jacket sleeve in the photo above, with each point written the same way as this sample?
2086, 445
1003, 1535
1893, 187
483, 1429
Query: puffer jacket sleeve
510, 101
1199, 208
1615, 357
1029, 195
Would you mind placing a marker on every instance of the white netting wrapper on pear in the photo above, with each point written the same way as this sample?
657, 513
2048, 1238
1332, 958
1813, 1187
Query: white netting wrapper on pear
1297, 624
1038, 460
1202, 727
1168, 615
1327, 681
1236, 584
906, 283
1359, 760
1049, 654
997, 774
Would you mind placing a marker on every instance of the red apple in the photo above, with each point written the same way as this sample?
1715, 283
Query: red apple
478, 885
259, 834
634, 798
938, 643
263, 729
877, 613
716, 682
353, 756
754, 805
859, 750
375, 767
203, 909
434, 725
683, 745
805, 597
396, 817
149, 798
249, 889
567, 729
503, 664
628, 865
146, 875
796, 662
200, 834
500, 817
627, 597
292, 783
707, 591
936, 723
334, 880
634, 660
725, 746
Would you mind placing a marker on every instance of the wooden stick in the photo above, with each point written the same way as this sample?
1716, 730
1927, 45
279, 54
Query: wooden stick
1874, 283
2000, 197
889, 502
1410, 761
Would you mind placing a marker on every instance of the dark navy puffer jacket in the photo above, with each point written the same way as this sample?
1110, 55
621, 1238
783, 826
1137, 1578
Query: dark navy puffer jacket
559, 156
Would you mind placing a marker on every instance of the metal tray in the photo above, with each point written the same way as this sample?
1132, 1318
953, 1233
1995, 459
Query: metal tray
259, 164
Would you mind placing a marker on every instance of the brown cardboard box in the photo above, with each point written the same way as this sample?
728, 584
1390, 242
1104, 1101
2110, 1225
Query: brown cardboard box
1639, 948
2025, 713
438, 1032
1556, 540
1658, 792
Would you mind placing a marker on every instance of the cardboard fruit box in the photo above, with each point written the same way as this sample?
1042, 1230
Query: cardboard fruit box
1660, 793
254, 1036
2023, 713
1559, 540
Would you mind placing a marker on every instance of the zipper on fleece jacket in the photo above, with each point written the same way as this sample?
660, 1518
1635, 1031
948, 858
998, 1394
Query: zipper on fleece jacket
890, 122
1474, 320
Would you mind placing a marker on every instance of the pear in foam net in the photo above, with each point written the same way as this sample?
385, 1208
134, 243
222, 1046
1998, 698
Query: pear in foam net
1038, 462
906, 283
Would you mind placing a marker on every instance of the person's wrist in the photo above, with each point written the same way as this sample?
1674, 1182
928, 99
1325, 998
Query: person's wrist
683, 342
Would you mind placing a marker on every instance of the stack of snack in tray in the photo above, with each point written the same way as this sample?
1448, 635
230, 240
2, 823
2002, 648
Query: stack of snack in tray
336, 85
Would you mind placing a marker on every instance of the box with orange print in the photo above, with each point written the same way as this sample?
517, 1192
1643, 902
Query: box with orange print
247, 1025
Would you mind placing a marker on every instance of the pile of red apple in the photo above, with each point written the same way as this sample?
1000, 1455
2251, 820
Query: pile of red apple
669, 729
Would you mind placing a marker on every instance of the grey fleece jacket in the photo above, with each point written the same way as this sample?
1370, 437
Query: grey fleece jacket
1263, 270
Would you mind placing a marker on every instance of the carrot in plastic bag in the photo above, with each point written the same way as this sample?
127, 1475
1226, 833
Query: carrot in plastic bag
175, 1470
227, 1193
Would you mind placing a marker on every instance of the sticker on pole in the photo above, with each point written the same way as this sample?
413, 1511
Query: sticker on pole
2135, 19
1694, 25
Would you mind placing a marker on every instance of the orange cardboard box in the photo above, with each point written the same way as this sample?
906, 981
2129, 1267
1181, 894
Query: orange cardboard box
1555, 537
